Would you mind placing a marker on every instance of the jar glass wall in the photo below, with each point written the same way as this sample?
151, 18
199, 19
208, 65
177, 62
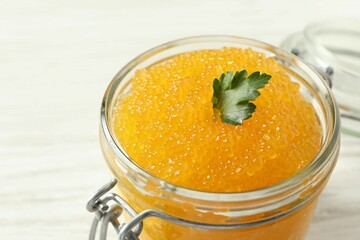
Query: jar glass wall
282, 211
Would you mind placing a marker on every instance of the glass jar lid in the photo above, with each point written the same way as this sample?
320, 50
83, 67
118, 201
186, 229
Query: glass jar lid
333, 48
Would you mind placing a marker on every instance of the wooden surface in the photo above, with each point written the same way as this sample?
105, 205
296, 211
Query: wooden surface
56, 59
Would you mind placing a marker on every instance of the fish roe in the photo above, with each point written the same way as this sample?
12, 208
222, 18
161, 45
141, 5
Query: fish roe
167, 125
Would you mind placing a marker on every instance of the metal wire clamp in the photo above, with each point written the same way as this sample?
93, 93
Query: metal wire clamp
108, 207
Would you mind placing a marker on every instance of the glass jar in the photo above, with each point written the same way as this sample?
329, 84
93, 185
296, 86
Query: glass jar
281, 212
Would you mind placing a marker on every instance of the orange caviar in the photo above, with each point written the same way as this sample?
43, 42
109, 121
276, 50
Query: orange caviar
167, 124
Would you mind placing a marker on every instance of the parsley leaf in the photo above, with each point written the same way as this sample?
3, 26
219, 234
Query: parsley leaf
233, 93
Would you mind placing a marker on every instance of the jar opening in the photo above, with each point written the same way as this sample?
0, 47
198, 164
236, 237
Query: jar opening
322, 99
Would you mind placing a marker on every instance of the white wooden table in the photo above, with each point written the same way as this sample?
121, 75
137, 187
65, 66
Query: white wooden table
56, 59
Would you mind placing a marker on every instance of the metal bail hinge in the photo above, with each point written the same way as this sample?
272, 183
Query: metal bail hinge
108, 207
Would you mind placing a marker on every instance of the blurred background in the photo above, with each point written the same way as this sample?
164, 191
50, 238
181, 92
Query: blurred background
56, 60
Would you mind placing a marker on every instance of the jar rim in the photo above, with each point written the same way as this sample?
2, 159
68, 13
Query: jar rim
316, 165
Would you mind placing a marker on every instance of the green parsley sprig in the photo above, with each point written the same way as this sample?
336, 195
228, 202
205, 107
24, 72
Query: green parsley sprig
233, 93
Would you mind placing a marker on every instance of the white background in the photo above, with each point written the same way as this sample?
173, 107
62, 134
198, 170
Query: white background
56, 59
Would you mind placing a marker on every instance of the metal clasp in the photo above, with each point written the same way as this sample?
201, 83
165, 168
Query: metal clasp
108, 207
